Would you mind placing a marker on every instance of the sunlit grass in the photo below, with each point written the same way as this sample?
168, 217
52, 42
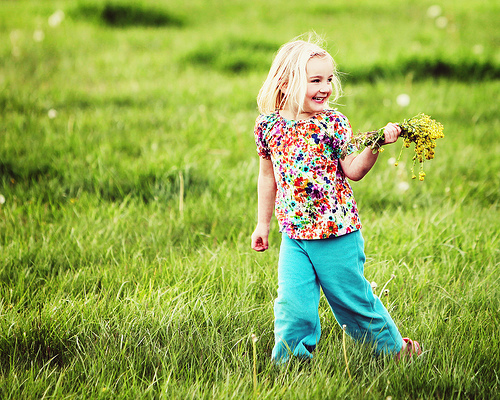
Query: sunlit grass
128, 194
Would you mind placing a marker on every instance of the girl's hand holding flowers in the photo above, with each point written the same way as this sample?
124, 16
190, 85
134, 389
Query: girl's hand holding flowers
420, 130
391, 133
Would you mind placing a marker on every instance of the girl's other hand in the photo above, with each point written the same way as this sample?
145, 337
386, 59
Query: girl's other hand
391, 133
260, 239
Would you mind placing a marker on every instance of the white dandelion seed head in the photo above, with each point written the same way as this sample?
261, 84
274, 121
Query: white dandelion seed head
434, 11
374, 285
441, 22
403, 186
52, 113
478, 49
38, 35
391, 161
2, 199
15, 35
254, 338
403, 100
56, 18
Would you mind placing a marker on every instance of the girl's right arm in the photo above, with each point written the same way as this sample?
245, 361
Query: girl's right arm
266, 198
355, 167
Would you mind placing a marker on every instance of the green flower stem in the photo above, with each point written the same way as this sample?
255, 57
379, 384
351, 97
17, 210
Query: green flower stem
420, 130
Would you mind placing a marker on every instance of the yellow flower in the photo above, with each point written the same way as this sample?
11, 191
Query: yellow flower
421, 130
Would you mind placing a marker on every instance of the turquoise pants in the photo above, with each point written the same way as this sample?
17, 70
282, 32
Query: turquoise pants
337, 266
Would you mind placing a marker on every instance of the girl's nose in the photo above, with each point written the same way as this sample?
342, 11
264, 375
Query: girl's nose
326, 88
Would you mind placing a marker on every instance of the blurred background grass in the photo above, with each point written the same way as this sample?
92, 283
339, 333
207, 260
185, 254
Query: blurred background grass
128, 178
196, 70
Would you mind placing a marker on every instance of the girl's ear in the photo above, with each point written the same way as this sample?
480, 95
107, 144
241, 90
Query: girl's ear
283, 87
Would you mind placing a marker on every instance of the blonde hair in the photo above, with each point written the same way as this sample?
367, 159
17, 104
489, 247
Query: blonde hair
287, 78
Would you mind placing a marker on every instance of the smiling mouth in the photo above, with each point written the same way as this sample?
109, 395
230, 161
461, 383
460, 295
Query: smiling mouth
319, 98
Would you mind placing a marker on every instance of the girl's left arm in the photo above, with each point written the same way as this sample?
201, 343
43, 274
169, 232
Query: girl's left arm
355, 167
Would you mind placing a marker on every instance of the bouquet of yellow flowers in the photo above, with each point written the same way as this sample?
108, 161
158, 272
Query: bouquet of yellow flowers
420, 130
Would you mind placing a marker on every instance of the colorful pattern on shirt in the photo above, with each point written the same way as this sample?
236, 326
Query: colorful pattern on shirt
313, 199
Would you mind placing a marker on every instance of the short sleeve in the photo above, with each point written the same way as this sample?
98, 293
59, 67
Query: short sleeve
342, 132
260, 132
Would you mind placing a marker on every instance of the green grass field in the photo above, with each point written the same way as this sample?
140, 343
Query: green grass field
128, 195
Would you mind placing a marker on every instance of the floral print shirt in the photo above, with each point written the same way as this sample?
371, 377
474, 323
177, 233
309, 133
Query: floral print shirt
313, 199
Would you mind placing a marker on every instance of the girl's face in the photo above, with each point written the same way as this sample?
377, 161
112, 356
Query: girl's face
319, 86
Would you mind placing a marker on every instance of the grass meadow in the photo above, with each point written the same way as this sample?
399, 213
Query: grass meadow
128, 195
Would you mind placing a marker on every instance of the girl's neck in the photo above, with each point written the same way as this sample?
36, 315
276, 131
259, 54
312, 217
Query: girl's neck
290, 115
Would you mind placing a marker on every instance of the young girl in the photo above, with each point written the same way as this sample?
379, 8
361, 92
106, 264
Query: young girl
302, 176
